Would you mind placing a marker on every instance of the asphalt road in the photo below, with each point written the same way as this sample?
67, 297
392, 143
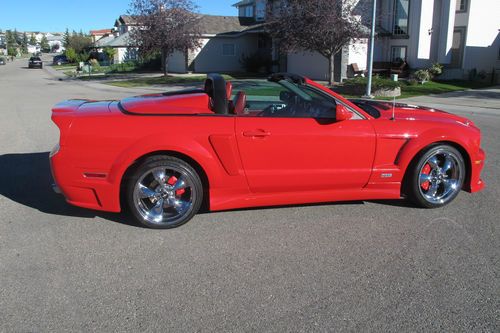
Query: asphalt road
359, 266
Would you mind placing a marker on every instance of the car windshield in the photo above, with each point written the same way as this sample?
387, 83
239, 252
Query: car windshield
35, 59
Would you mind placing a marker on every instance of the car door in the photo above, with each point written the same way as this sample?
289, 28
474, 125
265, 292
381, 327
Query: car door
301, 153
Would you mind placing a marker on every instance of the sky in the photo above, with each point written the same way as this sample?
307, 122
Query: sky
57, 15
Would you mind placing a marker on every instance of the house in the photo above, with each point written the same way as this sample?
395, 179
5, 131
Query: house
119, 39
225, 40
310, 64
463, 35
98, 34
56, 42
33, 49
3, 44
223, 37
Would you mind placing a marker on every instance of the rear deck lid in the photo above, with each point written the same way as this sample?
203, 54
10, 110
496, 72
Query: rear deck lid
177, 103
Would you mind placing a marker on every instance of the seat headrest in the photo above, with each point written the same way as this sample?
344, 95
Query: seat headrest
229, 89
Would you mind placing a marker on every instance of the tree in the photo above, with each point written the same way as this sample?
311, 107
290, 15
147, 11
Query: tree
33, 40
10, 39
71, 54
66, 39
79, 43
323, 26
17, 37
11, 51
110, 53
164, 26
44, 44
24, 43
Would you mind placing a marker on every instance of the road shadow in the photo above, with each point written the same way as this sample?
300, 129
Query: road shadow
27, 180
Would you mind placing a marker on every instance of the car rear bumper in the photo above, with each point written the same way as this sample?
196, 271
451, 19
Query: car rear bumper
82, 189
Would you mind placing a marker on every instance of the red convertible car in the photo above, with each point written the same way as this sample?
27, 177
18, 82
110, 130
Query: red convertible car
285, 141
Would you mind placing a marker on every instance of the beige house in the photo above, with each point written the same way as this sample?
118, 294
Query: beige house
225, 41
463, 35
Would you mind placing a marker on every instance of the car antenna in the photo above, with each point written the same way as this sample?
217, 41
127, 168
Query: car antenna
394, 108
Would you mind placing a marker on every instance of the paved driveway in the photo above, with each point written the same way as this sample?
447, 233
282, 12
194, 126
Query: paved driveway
360, 266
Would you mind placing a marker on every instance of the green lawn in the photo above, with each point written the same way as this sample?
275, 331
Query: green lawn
161, 80
65, 67
439, 87
432, 88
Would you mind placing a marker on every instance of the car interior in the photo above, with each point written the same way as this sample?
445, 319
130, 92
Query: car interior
286, 100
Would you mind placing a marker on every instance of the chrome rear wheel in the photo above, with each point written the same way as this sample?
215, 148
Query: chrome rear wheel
165, 192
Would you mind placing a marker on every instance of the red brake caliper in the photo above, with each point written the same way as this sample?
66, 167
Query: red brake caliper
425, 171
172, 182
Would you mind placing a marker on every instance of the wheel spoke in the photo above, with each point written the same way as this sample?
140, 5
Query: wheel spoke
448, 164
180, 206
433, 190
145, 192
450, 185
159, 176
157, 211
424, 178
180, 184
433, 162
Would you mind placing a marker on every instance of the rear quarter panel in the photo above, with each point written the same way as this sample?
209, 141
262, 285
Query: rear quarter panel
111, 142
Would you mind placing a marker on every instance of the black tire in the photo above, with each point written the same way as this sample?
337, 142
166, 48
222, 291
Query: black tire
442, 187
144, 179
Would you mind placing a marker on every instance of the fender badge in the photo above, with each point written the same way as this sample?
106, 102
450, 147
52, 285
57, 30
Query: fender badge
386, 175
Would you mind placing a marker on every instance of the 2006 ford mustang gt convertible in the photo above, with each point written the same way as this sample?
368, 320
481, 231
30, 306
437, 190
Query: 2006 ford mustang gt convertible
285, 141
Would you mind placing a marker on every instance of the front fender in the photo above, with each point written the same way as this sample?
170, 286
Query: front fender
466, 143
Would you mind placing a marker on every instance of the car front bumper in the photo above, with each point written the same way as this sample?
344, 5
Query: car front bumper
477, 165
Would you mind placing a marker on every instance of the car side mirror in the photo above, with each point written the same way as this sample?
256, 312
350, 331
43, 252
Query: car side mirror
341, 113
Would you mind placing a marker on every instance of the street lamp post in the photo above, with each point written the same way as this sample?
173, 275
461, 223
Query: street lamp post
370, 52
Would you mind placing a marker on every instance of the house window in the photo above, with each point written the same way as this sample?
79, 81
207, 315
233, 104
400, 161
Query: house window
401, 10
461, 6
228, 50
260, 10
246, 11
398, 54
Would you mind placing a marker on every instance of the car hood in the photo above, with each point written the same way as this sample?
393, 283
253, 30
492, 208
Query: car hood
403, 111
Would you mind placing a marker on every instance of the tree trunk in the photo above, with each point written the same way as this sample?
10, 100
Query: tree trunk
164, 62
331, 69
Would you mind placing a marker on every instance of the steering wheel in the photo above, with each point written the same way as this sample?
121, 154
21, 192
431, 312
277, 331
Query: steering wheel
269, 111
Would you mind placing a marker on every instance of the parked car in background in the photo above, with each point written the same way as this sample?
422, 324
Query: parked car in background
163, 156
35, 62
60, 60
2, 61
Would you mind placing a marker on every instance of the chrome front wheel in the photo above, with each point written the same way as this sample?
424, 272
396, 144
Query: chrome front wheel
437, 177
164, 192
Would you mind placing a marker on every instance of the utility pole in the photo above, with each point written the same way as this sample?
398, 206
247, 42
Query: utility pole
370, 52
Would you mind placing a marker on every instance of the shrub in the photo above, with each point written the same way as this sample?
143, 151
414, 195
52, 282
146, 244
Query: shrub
110, 53
71, 54
412, 82
435, 70
377, 82
128, 66
422, 75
